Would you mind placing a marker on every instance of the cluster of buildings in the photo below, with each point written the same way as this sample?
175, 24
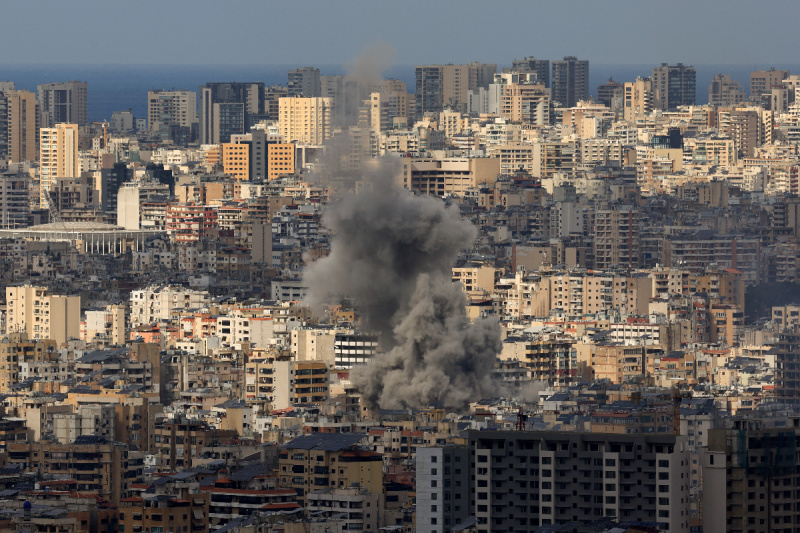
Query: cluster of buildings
159, 370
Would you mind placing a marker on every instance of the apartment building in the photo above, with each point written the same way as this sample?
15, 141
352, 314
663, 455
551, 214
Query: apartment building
750, 476
527, 479
18, 121
329, 460
171, 108
639, 99
448, 176
617, 240
14, 200
178, 442
58, 154
164, 513
570, 81
443, 489
99, 467
346, 509
66, 102
41, 315
157, 303
17, 349
305, 120
674, 85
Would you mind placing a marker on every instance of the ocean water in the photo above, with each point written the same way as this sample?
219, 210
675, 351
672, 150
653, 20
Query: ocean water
120, 87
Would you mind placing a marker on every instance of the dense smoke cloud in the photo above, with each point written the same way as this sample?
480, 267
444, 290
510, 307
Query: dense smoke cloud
392, 253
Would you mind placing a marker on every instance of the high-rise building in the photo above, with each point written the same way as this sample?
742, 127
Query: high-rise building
674, 85
305, 120
443, 496
304, 82
522, 480
17, 125
272, 96
610, 94
58, 154
228, 109
761, 81
14, 200
171, 108
63, 103
528, 103
749, 475
441, 86
570, 81
724, 91
540, 67
638, 97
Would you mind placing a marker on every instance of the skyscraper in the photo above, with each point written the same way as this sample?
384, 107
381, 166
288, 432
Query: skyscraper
305, 82
674, 85
570, 81
229, 108
66, 102
540, 67
58, 154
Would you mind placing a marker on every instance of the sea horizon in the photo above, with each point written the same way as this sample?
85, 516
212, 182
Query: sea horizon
117, 87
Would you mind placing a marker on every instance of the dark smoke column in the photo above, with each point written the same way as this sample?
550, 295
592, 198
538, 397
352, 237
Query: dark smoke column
393, 252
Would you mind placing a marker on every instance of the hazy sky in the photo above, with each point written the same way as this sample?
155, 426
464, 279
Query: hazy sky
421, 31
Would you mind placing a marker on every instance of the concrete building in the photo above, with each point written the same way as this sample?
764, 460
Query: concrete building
164, 513
346, 509
228, 109
171, 108
674, 85
441, 86
559, 477
448, 176
99, 467
14, 200
41, 315
540, 67
610, 94
63, 103
329, 460
638, 99
154, 304
58, 154
617, 241
527, 103
236, 160
749, 474
304, 82
18, 131
443, 487
762, 81
306, 120
724, 91
570, 81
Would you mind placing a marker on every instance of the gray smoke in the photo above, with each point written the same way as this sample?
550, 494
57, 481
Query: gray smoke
392, 253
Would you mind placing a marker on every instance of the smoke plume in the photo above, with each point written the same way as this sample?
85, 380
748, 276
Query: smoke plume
392, 253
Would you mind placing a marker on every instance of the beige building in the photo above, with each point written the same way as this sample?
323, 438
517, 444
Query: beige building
58, 154
21, 125
305, 120
236, 160
42, 316
762, 81
171, 108
280, 160
638, 99
448, 176
527, 103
